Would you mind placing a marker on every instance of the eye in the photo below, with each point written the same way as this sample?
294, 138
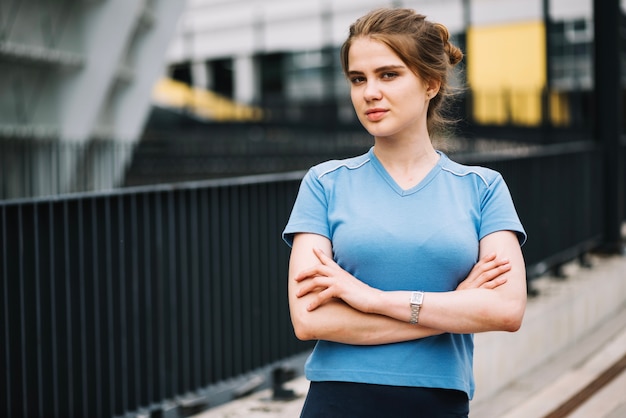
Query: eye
389, 75
357, 79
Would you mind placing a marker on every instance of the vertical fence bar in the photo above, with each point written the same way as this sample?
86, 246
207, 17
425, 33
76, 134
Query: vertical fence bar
39, 314
122, 317
219, 315
99, 385
134, 334
607, 64
171, 302
208, 352
234, 252
159, 308
109, 332
183, 354
5, 401
68, 304
246, 266
54, 314
81, 275
195, 354
22, 326
254, 273
147, 342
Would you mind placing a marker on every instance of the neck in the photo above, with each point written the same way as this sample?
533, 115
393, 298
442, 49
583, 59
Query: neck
405, 156
406, 165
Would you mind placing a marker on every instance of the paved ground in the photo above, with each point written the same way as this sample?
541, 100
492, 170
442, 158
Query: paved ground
586, 380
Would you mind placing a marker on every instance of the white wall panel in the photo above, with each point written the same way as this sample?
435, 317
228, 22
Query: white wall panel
446, 12
224, 43
571, 9
300, 34
221, 28
492, 12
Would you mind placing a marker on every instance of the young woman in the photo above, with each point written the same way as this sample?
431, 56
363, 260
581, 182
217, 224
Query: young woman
400, 255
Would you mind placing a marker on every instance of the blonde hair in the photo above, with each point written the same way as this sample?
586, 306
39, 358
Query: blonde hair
422, 45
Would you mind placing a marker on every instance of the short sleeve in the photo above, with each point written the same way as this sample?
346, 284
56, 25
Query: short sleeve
309, 213
498, 211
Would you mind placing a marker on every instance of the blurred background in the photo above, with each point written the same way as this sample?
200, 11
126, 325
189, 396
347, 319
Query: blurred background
105, 94
151, 151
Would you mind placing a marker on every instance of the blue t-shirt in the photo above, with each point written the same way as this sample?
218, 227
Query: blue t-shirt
424, 238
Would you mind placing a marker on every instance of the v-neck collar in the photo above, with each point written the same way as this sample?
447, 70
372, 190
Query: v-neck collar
392, 183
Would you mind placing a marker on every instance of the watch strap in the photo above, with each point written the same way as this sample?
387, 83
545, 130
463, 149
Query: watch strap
416, 303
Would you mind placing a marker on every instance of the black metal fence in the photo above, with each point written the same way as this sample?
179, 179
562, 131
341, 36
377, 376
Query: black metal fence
113, 303
558, 192
118, 303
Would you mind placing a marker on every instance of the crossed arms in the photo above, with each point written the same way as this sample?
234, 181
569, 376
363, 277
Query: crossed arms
328, 303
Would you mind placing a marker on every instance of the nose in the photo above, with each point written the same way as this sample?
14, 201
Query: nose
372, 91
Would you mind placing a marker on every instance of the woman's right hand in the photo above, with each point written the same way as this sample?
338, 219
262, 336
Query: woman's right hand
487, 273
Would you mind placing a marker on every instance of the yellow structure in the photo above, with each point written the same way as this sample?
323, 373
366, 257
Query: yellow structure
202, 103
507, 72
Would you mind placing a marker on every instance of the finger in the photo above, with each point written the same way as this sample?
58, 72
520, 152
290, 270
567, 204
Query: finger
318, 270
492, 284
321, 298
496, 270
500, 261
318, 283
324, 259
306, 274
493, 273
306, 288
484, 264
488, 257
483, 267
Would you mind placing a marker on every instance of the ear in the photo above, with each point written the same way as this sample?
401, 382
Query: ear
432, 88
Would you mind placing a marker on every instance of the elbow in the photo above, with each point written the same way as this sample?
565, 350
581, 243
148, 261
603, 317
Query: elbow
303, 334
302, 330
513, 318
512, 324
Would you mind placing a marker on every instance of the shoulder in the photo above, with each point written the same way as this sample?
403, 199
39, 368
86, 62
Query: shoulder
339, 166
483, 175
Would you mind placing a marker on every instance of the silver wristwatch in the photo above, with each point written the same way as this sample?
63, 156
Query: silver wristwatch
416, 303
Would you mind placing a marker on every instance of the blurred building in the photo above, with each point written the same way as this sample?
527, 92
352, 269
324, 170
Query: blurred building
78, 78
528, 63
75, 85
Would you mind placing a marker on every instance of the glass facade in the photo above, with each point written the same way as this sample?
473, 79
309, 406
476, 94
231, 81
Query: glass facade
571, 55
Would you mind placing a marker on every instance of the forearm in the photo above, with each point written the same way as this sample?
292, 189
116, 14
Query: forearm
461, 312
473, 311
338, 322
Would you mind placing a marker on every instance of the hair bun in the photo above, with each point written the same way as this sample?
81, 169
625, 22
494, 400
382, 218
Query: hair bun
454, 53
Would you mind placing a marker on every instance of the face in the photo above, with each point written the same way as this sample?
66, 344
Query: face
389, 99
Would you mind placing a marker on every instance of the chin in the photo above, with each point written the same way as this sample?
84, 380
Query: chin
374, 129
379, 133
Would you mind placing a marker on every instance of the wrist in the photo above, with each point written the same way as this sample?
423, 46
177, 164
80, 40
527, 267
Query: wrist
378, 302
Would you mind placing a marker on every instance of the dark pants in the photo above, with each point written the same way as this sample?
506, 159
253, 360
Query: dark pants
360, 400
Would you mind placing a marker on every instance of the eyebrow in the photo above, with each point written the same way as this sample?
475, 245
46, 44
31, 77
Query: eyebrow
380, 69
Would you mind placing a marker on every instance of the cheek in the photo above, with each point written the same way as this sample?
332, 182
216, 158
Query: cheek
357, 102
354, 97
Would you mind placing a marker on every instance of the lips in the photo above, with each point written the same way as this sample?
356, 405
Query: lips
375, 114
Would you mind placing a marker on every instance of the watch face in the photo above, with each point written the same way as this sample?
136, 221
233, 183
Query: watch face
416, 298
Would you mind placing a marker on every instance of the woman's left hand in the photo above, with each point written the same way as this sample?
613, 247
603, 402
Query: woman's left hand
331, 281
